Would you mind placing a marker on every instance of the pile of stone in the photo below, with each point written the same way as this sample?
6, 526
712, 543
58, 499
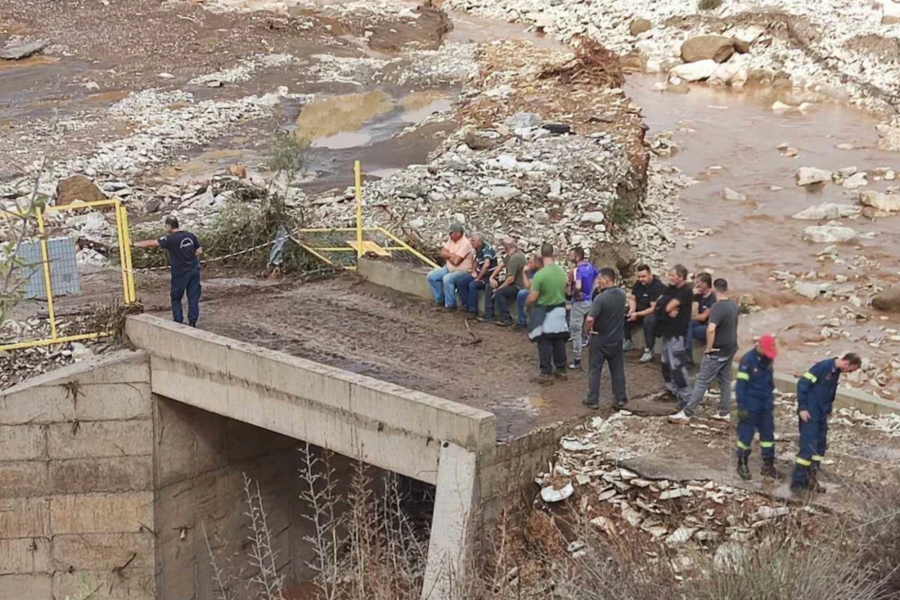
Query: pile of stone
20, 365
684, 515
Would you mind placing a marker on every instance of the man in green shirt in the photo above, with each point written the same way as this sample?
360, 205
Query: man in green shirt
547, 324
505, 290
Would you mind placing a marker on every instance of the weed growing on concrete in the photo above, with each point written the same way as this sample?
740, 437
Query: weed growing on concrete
325, 514
219, 576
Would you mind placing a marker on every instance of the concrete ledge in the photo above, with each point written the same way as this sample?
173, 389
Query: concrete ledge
381, 423
396, 277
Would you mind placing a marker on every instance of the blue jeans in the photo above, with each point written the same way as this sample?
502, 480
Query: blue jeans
186, 282
521, 297
468, 289
696, 331
443, 285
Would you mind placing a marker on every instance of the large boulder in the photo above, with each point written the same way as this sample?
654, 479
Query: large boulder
829, 234
707, 47
695, 71
879, 201
812, 176
639, 26
731, 74
77, 187
618, 255
828, 210
888, 300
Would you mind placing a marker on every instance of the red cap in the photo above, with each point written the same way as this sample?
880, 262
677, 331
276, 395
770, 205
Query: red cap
767, 346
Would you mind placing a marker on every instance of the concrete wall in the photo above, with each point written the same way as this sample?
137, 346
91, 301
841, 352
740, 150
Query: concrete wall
384, 425
76, 483
199, 464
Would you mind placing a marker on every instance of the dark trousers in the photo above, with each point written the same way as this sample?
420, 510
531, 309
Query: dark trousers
186, 282
503, 297
552, 352
468, 289
751, 421
813, 441
615, 356
648, 324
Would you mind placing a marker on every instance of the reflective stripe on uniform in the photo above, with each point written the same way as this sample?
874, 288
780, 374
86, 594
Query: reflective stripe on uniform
742, 445
817, 458
767, 444
744, 376
803, 462
810, 376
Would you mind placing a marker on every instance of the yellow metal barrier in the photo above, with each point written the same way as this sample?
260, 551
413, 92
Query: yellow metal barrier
129, 295
324, 241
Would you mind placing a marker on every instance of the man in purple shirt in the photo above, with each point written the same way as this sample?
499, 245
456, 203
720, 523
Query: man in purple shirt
581, 285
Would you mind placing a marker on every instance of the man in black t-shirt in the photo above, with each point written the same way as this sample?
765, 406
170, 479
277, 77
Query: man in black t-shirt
641, 304
184, 256
705, 297
673, 312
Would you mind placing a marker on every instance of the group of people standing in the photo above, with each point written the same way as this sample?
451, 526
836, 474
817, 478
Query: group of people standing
587, 307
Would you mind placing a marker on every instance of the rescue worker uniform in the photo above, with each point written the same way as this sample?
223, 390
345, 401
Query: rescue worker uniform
755, 391
815, 394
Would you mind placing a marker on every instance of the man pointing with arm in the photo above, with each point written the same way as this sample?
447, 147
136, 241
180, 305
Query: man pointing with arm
184, 257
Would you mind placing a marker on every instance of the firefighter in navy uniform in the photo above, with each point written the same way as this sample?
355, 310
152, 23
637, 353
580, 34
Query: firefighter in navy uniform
755, 391
815, 400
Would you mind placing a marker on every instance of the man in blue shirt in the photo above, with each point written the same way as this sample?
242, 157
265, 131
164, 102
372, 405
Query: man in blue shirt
581, 286
815, 400
184, 257
755, 391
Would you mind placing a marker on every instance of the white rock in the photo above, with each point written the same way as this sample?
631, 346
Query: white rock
523, 120
812, 175
507, 161
632, 516
680, 536
829, 234
730, 556
733, 195
80, 352
696, 71
732, 73
781, 107
856, 181
846, 172
890, 12
593, 217
504, 192
551, 495
880, 201
827, 210
807, 289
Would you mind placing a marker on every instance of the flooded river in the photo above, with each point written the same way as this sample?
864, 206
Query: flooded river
729, 138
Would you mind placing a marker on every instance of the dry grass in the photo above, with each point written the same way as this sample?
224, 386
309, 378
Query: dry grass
110, 318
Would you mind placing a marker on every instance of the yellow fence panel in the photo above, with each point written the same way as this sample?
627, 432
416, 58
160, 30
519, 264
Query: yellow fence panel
123, 241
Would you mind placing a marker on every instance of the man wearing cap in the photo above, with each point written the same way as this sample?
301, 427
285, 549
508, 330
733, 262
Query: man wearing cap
755, 391
458, 255
815, 400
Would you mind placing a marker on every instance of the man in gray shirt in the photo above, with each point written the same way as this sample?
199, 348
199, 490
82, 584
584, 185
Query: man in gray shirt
606, 323
721, 346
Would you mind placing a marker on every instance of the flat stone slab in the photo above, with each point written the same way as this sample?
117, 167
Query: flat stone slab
18, 51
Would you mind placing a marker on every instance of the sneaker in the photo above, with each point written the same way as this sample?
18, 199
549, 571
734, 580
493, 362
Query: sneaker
576, 365
449, 309
520, 327
504, 323
542, 379
646, 357
721, 417
679, 417
620, 405
561, 375
591, 405
627, 345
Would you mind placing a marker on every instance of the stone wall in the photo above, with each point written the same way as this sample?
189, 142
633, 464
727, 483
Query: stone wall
76, 483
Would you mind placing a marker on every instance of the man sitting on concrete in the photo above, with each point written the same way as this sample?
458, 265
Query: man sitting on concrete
721, 347
641, 306
705, 297
606, 322
547, 316
470, 284
533, 265
459, 257
506, 291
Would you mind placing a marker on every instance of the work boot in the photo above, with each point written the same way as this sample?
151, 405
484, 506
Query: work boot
590, 405
561, 375
743, 470
627, 345
814, 484
646, 357
543, 379
621, 405
769, 470
576, 365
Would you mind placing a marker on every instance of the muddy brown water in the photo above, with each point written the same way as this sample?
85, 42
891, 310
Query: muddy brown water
728, 138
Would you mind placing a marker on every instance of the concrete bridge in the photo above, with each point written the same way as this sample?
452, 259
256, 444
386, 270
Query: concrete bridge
109, 469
